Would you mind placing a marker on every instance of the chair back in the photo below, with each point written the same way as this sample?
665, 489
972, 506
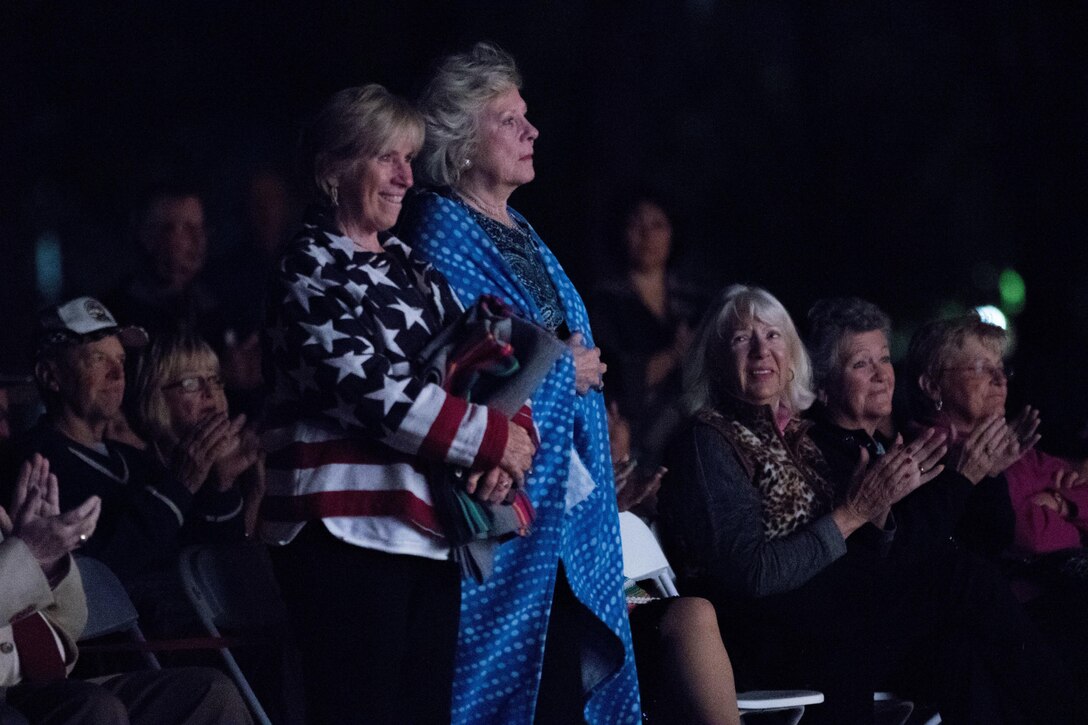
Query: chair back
109, 608
642, 555
233, 587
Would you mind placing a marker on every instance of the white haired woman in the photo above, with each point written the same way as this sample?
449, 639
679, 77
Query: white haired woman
355, 430
756, 524
564, 583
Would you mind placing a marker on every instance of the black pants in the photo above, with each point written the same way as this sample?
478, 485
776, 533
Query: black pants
559, 699
173, 696
946, 631
377, 631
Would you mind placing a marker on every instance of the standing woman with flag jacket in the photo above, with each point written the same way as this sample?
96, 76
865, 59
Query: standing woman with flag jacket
355, 435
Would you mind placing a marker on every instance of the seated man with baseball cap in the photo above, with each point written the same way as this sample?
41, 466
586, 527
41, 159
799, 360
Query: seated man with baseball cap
80, 373
43, 610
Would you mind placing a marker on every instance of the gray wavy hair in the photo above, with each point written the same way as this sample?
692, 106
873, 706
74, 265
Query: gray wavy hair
830, 321
355, 124
707, 381
451, 104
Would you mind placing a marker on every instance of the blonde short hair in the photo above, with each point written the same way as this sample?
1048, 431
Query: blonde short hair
354, 125
705, 376
451, 103
163, 361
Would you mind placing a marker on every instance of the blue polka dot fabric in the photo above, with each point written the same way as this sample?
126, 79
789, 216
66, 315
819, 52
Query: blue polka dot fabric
504, 620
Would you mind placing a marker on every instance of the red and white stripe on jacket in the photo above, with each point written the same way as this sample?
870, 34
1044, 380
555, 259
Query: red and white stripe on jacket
351, 429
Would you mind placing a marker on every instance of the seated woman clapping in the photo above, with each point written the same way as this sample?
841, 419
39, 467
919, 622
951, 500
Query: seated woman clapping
855, 380
182, 412
795, 559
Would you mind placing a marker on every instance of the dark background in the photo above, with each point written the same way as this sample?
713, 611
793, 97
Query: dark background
902, 151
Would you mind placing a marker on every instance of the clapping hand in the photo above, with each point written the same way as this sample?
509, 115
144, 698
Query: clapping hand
213, 438
36, 518
893, 475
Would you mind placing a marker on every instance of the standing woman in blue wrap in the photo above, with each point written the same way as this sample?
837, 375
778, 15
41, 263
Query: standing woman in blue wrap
562, 584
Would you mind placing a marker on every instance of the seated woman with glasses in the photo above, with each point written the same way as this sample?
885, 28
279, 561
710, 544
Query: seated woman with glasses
849, 343
180, 405
958, 381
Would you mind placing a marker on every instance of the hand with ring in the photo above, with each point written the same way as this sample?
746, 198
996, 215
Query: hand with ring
493, 486
37, 520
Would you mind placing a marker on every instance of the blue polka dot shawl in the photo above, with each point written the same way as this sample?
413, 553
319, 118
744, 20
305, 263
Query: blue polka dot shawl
504, 620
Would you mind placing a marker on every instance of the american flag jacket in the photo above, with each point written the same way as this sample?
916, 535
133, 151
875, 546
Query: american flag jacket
352, 430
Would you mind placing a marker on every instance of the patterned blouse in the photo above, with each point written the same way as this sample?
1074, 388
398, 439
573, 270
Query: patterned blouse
517, 246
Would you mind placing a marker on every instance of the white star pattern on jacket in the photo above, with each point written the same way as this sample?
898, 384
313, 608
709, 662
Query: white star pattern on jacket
302, 293
324, 335
349, 402
349, 364
343, 337
412, 316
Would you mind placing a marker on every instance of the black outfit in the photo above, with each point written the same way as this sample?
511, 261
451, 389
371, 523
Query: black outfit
847, 618
146, 515
978, 516
141, 300
629, 334
329, 587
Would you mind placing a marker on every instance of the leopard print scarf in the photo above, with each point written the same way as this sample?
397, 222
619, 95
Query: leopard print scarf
786, 468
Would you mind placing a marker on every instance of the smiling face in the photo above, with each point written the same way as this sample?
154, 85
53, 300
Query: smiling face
186, 408
860, 393
760, 360
972, 383
371, 194
648, 236
504, 155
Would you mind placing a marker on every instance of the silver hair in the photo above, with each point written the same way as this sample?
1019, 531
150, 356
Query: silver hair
706, 376
452, 102
356, 124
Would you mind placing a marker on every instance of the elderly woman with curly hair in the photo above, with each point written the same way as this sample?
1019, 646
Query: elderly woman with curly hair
563, 584
796, 559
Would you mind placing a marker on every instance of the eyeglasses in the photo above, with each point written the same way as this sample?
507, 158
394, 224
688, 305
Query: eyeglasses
983, 369
197, 384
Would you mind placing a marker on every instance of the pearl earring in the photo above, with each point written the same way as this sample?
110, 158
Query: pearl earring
466, 163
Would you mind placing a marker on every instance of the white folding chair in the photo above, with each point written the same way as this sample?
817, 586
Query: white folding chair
643, 559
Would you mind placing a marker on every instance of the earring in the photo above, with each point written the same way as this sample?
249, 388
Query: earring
939, 404
792, 376
466, 163
334, 193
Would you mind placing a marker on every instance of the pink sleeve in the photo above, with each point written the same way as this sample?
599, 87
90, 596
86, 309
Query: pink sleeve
1038, 529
